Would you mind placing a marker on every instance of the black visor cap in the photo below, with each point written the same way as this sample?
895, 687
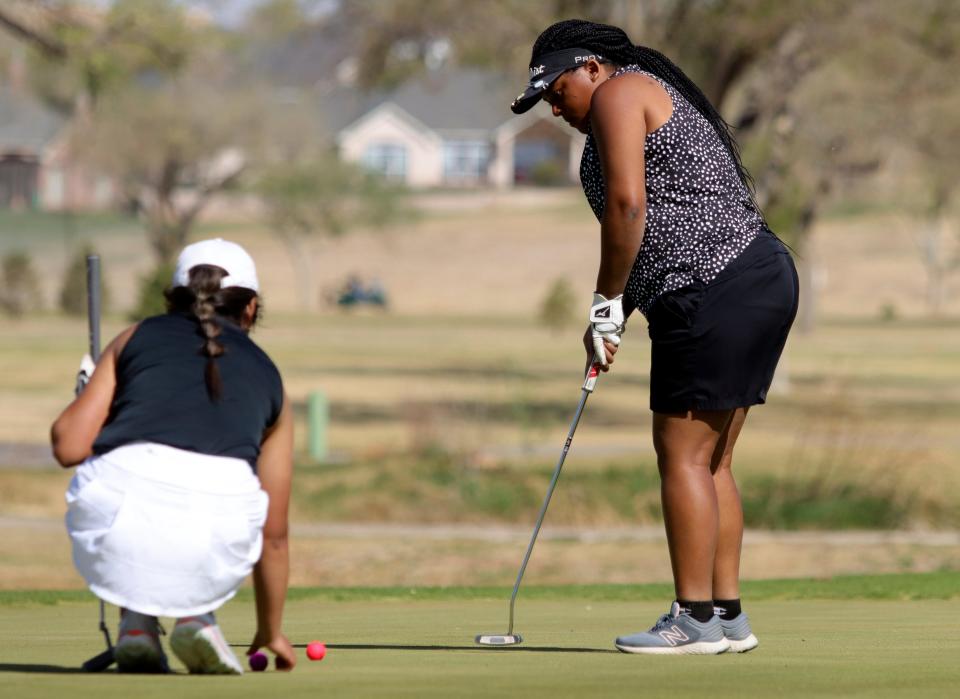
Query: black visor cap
547, 68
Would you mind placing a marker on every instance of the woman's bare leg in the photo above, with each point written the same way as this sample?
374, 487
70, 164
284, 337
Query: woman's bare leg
726, 567
685, 445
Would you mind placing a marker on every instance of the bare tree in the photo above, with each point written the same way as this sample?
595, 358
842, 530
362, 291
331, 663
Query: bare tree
930, 104
81, 52
150, 105
321, 196
172, 148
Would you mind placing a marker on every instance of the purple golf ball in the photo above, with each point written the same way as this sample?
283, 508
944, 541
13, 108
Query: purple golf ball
258, 662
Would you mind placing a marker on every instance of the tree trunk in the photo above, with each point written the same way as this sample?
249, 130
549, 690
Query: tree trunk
936, 263
807, 313
302, 263
167, 238
807, 272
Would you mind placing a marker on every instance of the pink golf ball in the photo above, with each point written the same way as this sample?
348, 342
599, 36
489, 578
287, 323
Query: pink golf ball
316, 650
258, 662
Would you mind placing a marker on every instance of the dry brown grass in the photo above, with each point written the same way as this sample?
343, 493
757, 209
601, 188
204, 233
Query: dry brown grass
35, 554
496, 252
459, 364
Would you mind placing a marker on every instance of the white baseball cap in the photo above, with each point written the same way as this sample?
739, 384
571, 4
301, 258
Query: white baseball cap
241, 271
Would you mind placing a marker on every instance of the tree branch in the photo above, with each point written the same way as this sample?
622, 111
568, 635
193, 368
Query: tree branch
47, 45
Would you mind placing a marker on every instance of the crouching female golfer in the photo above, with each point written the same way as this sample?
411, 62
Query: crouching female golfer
682, 240
183, 439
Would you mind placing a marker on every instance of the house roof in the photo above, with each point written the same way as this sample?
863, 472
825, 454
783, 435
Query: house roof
26, 125
451, 101
418, 129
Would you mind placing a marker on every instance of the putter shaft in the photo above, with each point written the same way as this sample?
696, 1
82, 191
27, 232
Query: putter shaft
100, 662
588, 386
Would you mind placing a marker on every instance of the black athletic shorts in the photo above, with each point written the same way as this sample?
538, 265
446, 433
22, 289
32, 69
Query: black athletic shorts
715, 346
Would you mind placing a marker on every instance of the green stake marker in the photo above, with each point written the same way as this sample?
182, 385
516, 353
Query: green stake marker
318, 419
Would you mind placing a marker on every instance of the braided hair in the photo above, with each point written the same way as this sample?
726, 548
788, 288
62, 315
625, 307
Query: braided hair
615, 46
203, 299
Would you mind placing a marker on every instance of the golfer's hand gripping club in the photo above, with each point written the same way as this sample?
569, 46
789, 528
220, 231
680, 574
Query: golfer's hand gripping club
606, 323
87, 367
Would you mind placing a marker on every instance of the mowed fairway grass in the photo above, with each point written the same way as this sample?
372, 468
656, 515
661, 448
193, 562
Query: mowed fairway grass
880, 636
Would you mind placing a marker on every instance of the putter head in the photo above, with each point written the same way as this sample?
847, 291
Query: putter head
499, 639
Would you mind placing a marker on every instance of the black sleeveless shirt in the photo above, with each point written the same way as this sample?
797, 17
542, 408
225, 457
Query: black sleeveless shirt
699, 215
161, 395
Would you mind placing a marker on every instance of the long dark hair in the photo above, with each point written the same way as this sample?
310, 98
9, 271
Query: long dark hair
613, 44
208, 303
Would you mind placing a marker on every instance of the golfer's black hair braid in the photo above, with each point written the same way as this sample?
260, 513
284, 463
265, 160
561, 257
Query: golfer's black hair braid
205, 301
613, 44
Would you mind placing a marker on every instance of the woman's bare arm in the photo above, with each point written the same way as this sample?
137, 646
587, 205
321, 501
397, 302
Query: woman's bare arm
618, 122
74, 432
271, 574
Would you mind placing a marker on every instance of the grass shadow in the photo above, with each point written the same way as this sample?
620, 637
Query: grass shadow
485, 649
43, 669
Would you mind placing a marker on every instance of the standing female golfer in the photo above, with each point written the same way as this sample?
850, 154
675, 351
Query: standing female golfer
682, 240
184, 440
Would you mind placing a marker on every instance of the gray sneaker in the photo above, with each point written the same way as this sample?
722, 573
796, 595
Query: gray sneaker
677, 633
738, 632
138, 646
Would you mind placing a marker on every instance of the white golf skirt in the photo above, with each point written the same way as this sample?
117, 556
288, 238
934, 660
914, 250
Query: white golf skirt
163, 531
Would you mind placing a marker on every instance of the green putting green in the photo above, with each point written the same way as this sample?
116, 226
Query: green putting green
817, 638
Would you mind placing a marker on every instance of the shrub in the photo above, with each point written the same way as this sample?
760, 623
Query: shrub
557, 308
150, 301
888, 312
73, 293
19, 285
549, 173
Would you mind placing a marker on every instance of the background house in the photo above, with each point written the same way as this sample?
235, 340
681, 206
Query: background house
37, 170
452, 128
28, 140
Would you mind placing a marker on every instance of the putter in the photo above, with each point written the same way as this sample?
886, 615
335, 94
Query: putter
101, 662
510, 638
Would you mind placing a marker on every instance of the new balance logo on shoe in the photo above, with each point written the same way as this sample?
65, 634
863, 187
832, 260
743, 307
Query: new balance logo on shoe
674, 635
677, 633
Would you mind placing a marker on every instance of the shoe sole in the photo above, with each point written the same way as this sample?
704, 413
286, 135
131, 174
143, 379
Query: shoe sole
139, 655
197, 647
743, 645
701, 648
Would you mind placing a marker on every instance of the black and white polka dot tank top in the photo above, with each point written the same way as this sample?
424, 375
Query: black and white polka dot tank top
699, 214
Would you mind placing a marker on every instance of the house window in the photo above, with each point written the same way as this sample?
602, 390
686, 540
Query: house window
465, 161
389, 159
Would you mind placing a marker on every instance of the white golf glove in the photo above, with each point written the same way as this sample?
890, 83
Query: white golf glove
83, 376
606, 323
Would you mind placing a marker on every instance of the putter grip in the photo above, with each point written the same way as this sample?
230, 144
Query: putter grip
593, 373
93, 305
